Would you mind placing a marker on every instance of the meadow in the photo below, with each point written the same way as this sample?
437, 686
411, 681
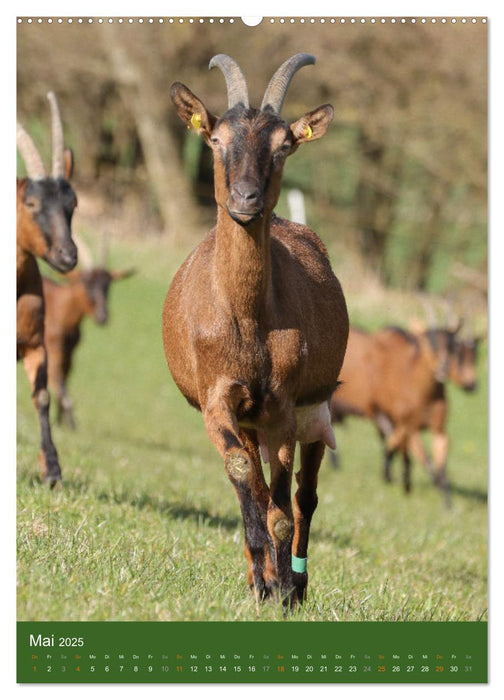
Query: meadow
146, 526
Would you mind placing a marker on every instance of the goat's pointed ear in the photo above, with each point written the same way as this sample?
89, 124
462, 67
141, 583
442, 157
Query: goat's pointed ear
191, 110
313, 125
122, 274
68, 162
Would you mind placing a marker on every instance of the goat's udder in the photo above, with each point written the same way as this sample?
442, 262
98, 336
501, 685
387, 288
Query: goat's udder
313, 424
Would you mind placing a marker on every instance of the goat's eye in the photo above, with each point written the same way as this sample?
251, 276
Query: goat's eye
32, 203
283, 151
214, 140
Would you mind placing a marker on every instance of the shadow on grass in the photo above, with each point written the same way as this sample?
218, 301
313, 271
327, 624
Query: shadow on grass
115, 438
176, 511
184, 511
474, 494
151, 443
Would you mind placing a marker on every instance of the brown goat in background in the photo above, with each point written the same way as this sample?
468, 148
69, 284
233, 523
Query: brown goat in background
45, 205
255, 325
83, 293
396, 378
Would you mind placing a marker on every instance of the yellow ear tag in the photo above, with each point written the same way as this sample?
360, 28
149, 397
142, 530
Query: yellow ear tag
307, 132
196, 121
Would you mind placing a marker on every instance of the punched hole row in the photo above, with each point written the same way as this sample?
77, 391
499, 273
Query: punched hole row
232, 20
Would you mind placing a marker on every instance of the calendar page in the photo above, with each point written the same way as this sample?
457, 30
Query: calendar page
252, 369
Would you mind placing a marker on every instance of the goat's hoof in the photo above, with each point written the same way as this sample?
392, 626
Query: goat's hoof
263, 590
52, 479
290, 601
50, 471
301, 583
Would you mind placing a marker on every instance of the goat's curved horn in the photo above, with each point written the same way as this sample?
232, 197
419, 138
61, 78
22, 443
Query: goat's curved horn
235, 80
277, 87
29, 153
58, 161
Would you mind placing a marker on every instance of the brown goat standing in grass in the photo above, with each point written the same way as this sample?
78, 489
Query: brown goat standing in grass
255, 325
84, 293
45, 205
396, 378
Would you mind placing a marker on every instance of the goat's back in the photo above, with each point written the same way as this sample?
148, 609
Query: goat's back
389, 371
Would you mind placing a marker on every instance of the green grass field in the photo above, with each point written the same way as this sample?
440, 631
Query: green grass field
146, 525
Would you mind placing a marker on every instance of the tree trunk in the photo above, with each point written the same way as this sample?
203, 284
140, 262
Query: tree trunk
172, 191
375, 201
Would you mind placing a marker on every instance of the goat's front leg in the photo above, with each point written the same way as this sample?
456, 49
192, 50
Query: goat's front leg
35, 363
398, 440
406, 470
280, 519
305, 503
385, 428
419, 452
240, 452
65, 405
388, 457
254, 498
57, 382
440, 444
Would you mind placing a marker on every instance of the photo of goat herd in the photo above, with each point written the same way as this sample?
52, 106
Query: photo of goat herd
252, 370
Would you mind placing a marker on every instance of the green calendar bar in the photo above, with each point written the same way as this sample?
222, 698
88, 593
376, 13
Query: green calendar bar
248, 652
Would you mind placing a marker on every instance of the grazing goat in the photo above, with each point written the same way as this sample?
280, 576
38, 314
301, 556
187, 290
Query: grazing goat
396, 378
84, 294
45, 205
255, 325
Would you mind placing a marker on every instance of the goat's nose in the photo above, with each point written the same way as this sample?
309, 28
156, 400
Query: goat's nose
101, 316
245, 202
68, 254
246, 190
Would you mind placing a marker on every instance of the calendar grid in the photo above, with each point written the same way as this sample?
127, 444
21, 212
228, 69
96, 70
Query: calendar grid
214, 652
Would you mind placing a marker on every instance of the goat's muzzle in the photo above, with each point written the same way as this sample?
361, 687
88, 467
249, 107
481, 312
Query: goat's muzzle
245, 203
470, 386
101, 316
62, 257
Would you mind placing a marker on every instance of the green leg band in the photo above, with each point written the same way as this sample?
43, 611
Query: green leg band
299, 565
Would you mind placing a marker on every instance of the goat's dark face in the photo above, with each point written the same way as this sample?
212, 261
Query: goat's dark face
463, 363
441, 343
48, 206
97, 283
250, 147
